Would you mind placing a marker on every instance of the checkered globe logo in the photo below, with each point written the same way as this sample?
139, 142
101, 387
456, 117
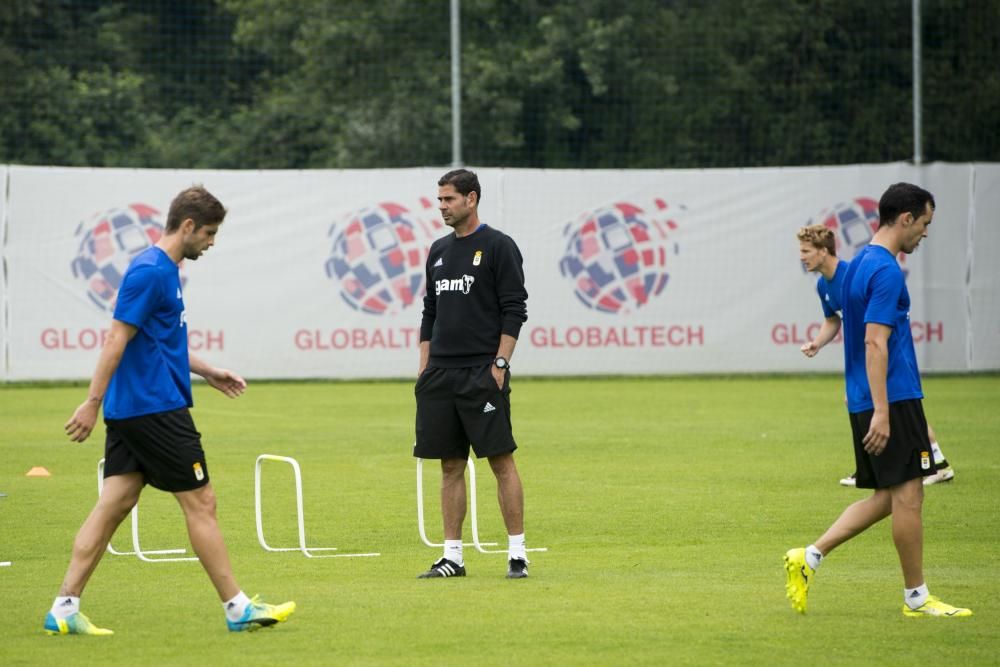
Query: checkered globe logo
108, 241
378, 254
616, 256
853, 224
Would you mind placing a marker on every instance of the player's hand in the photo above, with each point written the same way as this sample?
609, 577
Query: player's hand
498, 375
226, 381
82, 422
878, 434
810, 349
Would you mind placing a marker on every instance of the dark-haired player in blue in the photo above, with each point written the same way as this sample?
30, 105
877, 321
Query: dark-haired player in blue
818, 253
143, 378
891, 448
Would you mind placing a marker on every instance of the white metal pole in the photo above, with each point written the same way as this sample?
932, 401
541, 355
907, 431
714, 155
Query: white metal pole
135, 530
420, 505
918, 156
144, 555
299, 511
475, 519
456, 85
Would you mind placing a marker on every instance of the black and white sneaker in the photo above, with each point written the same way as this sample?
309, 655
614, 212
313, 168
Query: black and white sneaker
443, 567
517, 568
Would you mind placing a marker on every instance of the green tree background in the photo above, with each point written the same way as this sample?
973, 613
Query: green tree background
546, 83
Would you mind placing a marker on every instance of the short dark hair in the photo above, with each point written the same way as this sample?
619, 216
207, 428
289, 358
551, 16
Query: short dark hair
465, 181
903, 198
198, 204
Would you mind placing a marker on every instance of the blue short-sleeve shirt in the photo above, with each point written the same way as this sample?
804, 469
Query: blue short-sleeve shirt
154, 374
875, 292
830, 290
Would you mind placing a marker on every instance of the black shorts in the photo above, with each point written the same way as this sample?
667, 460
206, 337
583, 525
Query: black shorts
906, 456
457, 407
165, 447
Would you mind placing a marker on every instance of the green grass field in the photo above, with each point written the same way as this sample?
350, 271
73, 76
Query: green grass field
666, 505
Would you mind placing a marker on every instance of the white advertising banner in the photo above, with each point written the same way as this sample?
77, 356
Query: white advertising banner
734, 295
984, 278
3, 274
320, 274
266, 300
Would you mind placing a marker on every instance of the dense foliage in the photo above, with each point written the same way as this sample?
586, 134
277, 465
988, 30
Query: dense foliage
546, 83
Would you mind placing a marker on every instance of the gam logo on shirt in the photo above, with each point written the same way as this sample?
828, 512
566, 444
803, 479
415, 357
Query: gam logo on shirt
107, 243
378, 253
616, 256
463, 284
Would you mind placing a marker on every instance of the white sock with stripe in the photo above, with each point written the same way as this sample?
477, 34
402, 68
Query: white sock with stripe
916, 597
453, 551
235, 607
938, 456
516, 547
814, 558
65, 606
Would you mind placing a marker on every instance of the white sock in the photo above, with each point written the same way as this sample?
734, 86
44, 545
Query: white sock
938, 454
814, 558
235, 607
915, 597
453, 551
65, 606
516, 548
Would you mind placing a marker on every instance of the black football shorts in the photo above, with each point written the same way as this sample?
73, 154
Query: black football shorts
165, 447
459, 407
906, 456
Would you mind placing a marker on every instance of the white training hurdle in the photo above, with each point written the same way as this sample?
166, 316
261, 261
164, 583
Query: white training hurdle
5, 563
139, 553
473, 513
306, 551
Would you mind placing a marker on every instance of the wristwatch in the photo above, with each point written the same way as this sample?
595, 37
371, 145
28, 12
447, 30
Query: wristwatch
500, 362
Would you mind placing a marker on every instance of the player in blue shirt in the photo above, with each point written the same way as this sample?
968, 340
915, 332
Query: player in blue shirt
891, 448
818, 253
143, 377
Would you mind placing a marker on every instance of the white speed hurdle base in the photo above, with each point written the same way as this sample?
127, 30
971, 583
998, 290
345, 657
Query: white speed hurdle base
139, 553
5, 563
473, 514
306, 551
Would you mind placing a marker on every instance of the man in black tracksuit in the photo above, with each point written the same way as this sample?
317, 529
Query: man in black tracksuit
473, 312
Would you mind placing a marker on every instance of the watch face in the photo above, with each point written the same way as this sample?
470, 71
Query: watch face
500, 362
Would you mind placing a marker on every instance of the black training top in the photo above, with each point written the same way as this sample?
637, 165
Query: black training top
475, 292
